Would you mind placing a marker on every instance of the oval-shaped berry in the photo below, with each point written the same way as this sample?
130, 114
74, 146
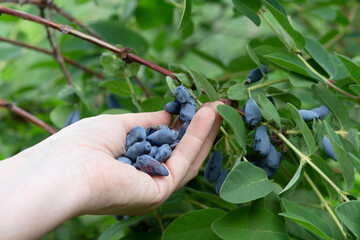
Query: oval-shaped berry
273, 159
182, 130
124, 160
163, 153
213, 167
255, 75
181, 94
328, 148
174, 144
269, 171
153, 151
308, 115
162, 126
252, 112
72, 118
187, 112
262, 142
151, 130
112, 102
136, 134
173, 107
224, 173
138, 149
163, 136
322, 111
150, 166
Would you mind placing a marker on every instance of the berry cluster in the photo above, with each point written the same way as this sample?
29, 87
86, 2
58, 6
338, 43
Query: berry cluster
213, 170
147, 148
316, 113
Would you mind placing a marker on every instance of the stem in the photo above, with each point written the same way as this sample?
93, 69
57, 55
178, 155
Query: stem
42, 50
142, 85
339, 132
158, 217
177, 5
275, 31
197, 203
129, 82
261, 85
26, 115
123, 52
308, 160
325, 203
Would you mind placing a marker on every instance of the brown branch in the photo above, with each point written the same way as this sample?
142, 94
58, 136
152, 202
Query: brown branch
123, 52
51, 35
28, 116
66, 59
142, 85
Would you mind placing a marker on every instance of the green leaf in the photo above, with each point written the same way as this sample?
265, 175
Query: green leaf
255, 58
170, 83
355, 89
135, 101
238, 92
286, 97
345, 162
279, 13
291, 63
119, 227
186, 14
241, 63
353, 138
233, 117
298, 80
184, 79
205, 84
152, 104
351, 67
249, 8
290, 187
269, 110
245, 183
336, 106
321, 56
250, 223
112, 65
59, 115
307, 219
193, 225
304, 129
119, 87
349, 214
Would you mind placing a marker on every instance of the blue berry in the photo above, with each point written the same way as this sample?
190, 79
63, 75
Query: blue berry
151, 130
163, 136
262, 142
273, 159
174, 144
328, 148
182, 130
322, 111
138, 149
187, 112
269, 171
153, 151
181, 94
162, 126
112, 102
173, 107
255, 74
163, 153
150, 166
224, 173
252, 112
72, 118
308, 115
124, 160
137, 134
213, 167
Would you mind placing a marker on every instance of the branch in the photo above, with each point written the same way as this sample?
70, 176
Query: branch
142, 85
28, 116
123, 52
51, 35
66, 59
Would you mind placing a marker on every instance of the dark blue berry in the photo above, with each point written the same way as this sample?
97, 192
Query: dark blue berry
124, 160
181, 94
173, 107
138, 149
273, 159
269, 171
328, 148
174, 144
252, 112
72, 118
308, 115
213, 167
322, 111
163, 136
187, 112
137, 134
153, 151
150, 166
224, 173
151, 130
255, 74
182, 130
162, 126
262, 142
163, 153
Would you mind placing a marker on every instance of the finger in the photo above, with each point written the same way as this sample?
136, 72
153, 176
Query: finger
186, 151
205, 149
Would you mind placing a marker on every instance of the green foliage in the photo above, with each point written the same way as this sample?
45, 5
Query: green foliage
211, 46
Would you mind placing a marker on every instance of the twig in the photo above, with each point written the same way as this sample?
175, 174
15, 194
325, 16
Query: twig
28, 116
142, 85
123, 52
66, 59
55, 46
